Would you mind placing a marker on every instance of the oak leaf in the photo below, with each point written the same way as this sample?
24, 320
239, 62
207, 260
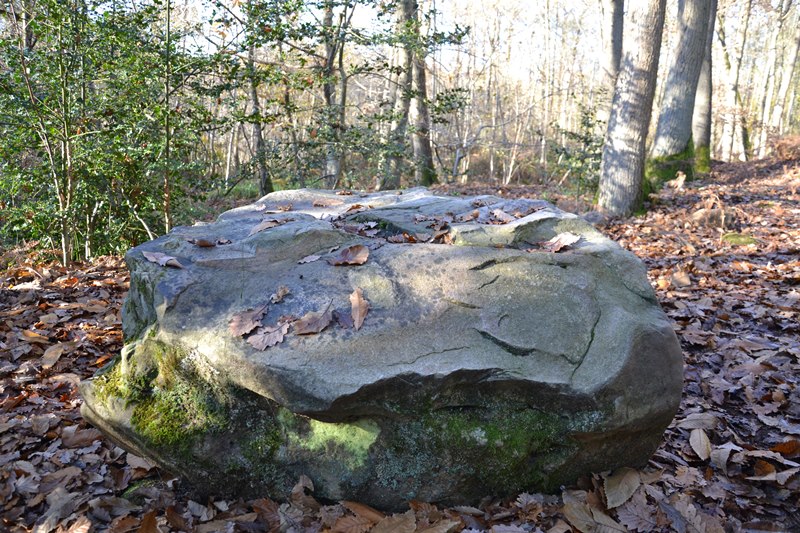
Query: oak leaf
246, 321
359, 307
620, 486
398, 523
313, 322
268, 336
352, 255
162, 259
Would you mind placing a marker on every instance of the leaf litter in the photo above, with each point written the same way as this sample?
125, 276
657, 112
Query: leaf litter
737, 321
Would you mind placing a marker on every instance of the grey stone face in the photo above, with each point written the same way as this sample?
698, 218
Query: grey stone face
487, 365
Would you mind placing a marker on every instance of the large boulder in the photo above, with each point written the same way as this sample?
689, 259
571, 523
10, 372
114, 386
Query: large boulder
499, 353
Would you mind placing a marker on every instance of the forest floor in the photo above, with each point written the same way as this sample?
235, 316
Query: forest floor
724, 257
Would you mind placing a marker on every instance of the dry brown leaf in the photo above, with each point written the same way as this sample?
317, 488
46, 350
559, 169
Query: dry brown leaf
313, 322
221, 525
788, 448
560, 241
327, 202
162, 259
620, 486
309, 259
81, 525
202, 243
502, 217
398, 523
352, 524
268, 336
32, 336
53, 354
637, 515
149, 523
359, 509
700, 443
352, 255
359, 307
280, 294
72, 437
443, 526
246, 321
267, 224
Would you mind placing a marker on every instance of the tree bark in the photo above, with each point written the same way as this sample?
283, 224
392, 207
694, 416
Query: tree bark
789, 68
769, 79
402, 100
674, 129
733, 126
613, 16
701, 120
264, 181
424, 169
622, 165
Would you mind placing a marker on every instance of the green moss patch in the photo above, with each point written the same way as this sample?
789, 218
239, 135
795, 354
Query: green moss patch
659, 170
739, 239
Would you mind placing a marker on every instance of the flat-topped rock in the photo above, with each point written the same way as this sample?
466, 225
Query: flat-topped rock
391, 346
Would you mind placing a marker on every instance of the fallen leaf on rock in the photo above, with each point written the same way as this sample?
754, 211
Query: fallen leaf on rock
268, 336
700, 443
280, 294
202, 243
560, 241
359, 307
309, 259
246, 321
313, 322
620, 486
267, 224
352, 255
327, 202
502, 217
162, 259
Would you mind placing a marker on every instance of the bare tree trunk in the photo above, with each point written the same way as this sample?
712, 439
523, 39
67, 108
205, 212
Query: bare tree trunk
264, 180
769, 79
612, 51
734, 109
622, 166
776, 121
701, 120
674, 129
392, 164
425, 173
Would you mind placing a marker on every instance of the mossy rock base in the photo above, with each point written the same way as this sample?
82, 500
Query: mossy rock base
487, 366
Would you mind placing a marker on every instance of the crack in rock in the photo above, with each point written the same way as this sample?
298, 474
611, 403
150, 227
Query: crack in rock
518, 351
437, 352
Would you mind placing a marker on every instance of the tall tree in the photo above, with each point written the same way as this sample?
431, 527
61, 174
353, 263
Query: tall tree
701, 120
773, 60
776, 120
622, 165
674, 129
425, 170
613, 17
733, 124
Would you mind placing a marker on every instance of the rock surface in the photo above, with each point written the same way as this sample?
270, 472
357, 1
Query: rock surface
487, 362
